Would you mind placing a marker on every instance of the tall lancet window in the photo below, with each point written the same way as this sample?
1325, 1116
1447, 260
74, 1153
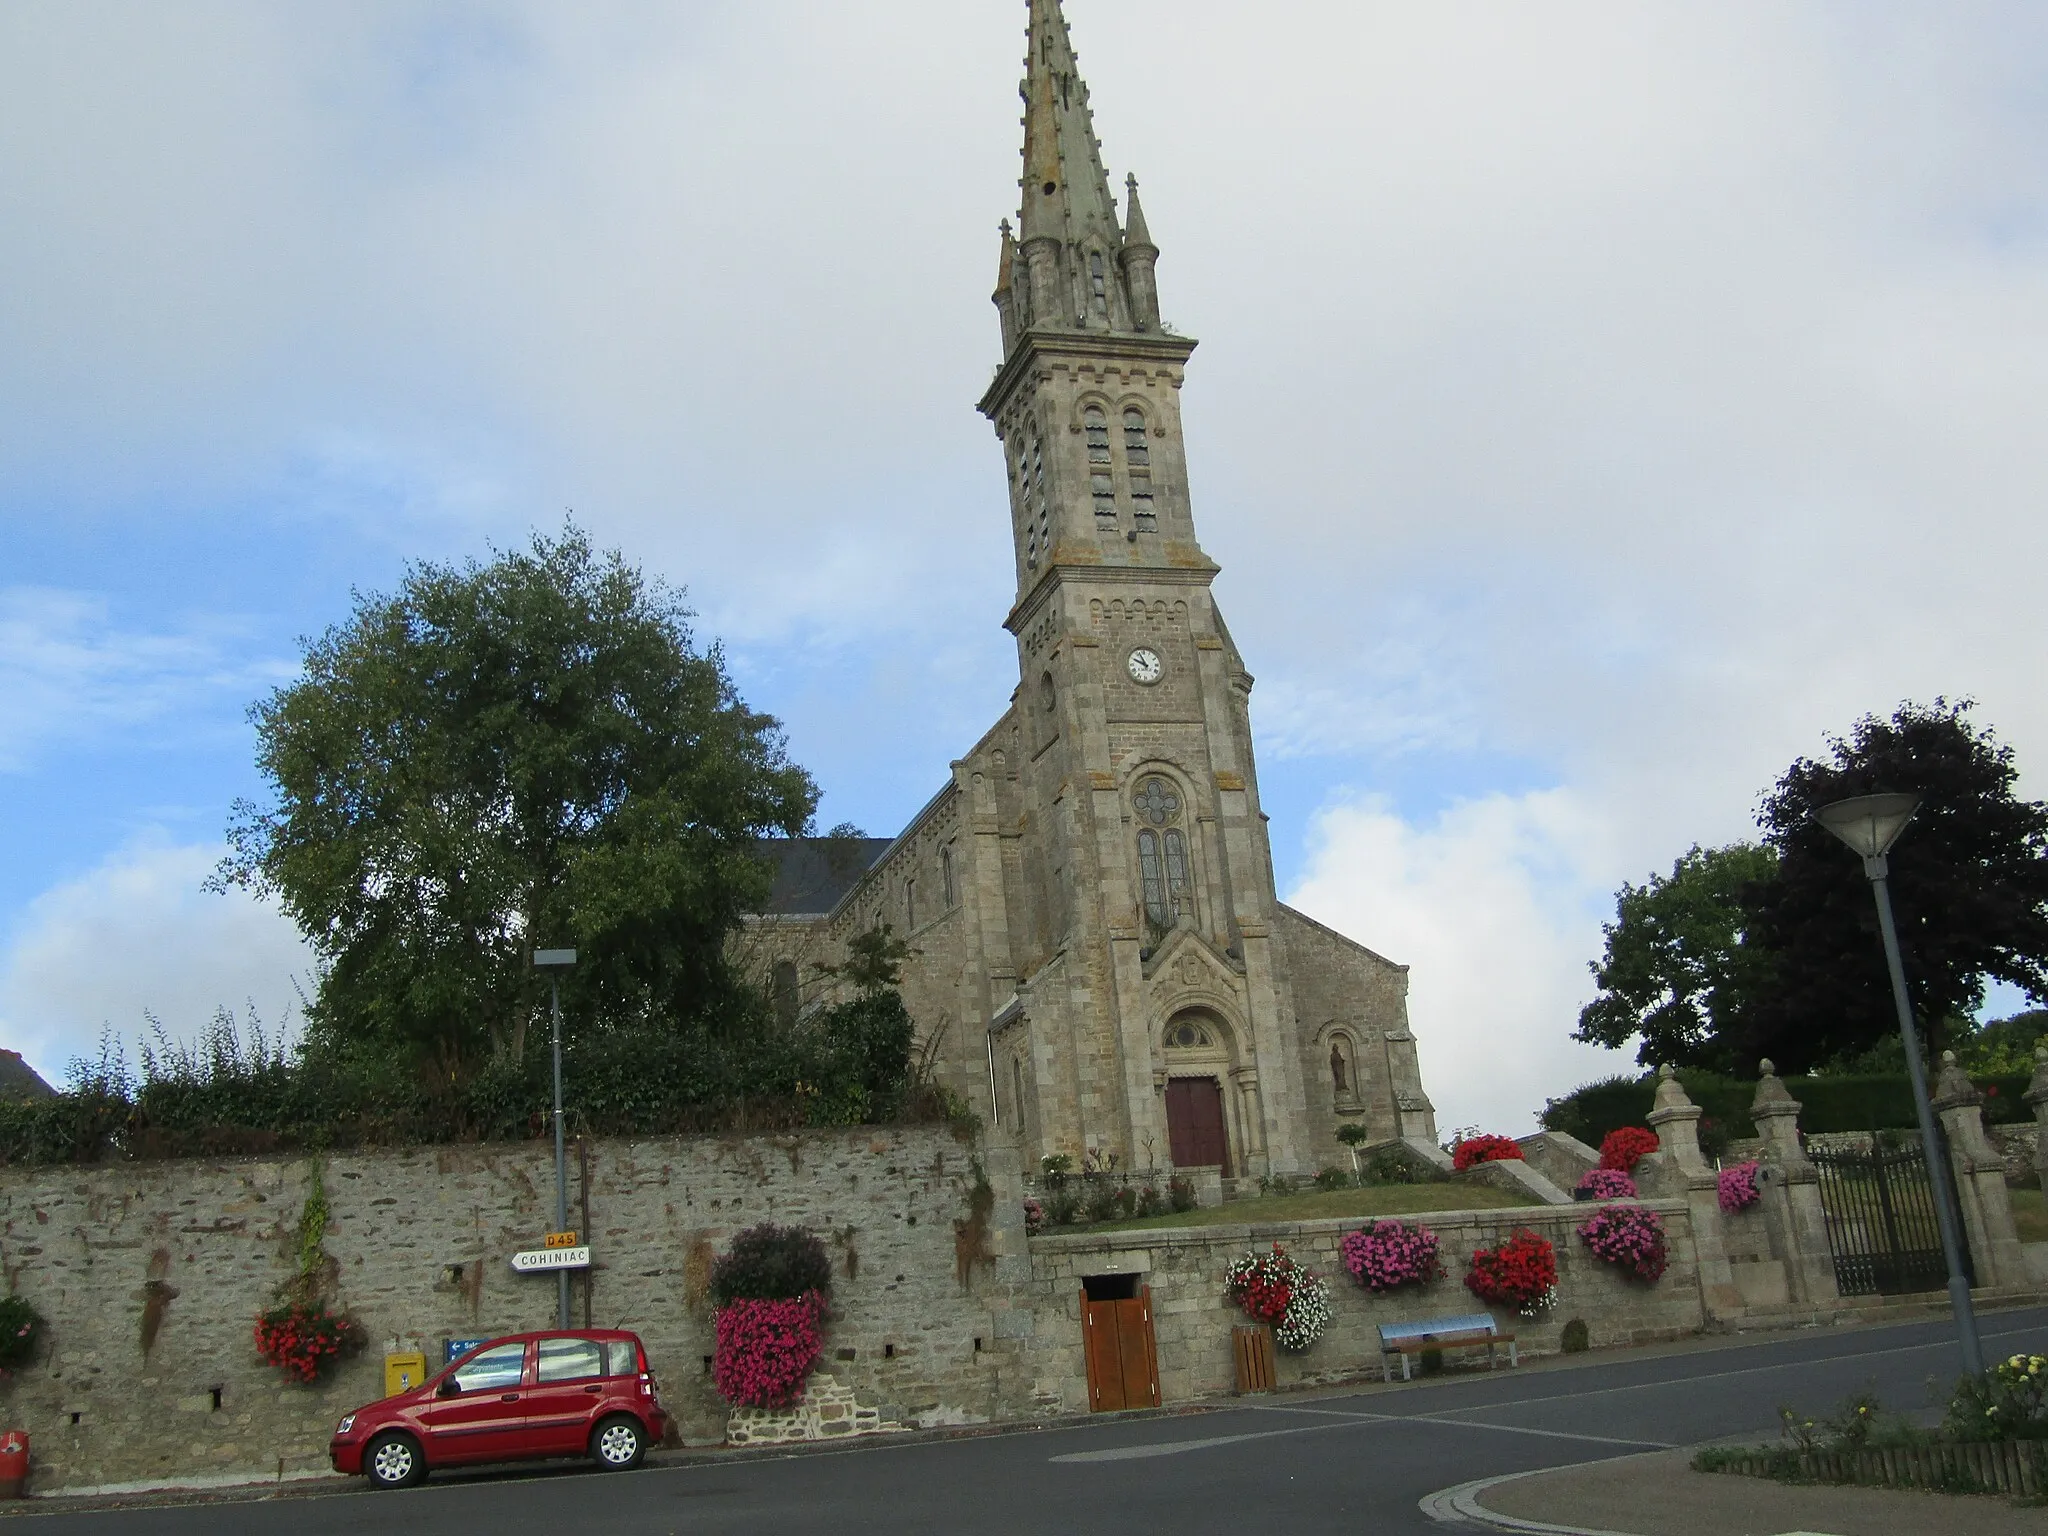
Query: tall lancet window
1100, 486
1098, 284
1162, 853
1096, 420
1034, 501
1138, 461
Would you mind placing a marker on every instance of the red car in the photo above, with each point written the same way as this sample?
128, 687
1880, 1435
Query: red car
587, 1392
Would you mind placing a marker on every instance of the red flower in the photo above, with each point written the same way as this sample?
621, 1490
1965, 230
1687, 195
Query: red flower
1485, 1149
1625, 1147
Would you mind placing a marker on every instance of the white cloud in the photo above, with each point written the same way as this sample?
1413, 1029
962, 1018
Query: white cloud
137, 934
1496, 906
73, 672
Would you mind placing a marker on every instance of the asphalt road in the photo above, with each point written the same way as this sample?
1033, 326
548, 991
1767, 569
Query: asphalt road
1353, 1461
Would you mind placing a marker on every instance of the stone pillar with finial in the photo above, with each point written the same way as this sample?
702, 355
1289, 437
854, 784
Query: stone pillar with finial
1676, 1120
1791, 1193
1981, 1191
2037, 1096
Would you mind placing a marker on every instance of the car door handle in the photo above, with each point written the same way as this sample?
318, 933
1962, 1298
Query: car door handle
508, 1397
593, 1391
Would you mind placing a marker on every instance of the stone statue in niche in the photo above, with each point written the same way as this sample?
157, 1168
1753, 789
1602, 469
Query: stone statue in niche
1340, 1069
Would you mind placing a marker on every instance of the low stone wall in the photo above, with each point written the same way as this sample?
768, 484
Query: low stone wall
1185, 1267
151, 1275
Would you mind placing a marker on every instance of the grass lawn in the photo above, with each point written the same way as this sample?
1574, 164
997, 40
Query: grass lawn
1321, 1204
2030, 1215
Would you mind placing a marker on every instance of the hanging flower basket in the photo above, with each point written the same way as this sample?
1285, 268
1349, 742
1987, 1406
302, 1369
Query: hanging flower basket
1739, 1188
1390, 1254
1623, 1148
772, 1288
305, 1341
1274, 1289
1605, 1184
1520, 1273
1630, 1237
766, 1349
1485, 1149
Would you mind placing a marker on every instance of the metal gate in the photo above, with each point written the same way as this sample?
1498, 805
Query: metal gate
1881, 1223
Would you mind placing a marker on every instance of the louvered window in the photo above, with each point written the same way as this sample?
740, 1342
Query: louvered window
1135, 451
1097, 424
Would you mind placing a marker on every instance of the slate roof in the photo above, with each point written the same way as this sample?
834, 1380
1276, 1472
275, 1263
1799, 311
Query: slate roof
19, 1080
812, 873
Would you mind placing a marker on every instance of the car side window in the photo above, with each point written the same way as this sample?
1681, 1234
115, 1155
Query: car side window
625, 1358
493, 1370
570, 1359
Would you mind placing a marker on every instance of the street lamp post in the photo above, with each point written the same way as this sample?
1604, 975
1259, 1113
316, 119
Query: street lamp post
555, 960
1870, 824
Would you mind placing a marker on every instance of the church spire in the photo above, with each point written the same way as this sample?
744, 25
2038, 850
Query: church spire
1060, 151
1075, 274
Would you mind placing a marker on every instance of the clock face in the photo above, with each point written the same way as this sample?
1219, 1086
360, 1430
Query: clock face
1145, 665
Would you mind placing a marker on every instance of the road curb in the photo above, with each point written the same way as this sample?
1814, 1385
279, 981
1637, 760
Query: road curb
1459, 1504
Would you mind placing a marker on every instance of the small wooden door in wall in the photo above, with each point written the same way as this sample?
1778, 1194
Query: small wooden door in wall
1123, 1356
1194, 1123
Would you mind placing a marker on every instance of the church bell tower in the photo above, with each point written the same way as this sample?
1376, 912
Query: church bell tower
1164, 1019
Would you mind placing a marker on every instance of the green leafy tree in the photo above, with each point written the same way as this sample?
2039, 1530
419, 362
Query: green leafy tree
1675, 970
525, 753
1969, 883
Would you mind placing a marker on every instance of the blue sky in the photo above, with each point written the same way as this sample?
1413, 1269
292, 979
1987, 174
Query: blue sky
1595, 407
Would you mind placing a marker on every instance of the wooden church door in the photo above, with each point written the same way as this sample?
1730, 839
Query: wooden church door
1194, 1123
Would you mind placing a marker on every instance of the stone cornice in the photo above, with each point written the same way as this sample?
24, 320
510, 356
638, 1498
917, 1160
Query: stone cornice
1108, 576
1036, 346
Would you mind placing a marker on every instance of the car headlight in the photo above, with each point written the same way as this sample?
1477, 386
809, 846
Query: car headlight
347, 1423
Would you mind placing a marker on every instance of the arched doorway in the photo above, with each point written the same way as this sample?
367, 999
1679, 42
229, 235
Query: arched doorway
1198, 1061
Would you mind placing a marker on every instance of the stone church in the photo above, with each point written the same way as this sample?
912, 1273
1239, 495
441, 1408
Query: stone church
1098, 950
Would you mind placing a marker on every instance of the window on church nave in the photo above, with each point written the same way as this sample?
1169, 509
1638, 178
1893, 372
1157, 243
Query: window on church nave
910, 904
946, 886
1162, 852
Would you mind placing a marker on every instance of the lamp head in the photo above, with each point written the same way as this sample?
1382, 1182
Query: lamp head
1869, 824
554, 957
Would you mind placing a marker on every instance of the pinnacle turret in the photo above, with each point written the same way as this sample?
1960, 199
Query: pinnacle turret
1135, 232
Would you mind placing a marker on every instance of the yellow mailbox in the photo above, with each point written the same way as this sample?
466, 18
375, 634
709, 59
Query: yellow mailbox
403, 1372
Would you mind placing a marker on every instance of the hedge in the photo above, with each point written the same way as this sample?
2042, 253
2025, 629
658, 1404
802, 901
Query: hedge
850, 1065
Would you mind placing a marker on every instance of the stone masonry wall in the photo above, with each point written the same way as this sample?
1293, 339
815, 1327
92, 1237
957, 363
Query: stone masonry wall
1193, 1319
422, 1239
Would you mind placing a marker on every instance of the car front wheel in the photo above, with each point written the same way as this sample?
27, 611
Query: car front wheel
393, 1461
618, 1444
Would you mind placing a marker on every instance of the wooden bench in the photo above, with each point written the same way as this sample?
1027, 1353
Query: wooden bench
1410, 1339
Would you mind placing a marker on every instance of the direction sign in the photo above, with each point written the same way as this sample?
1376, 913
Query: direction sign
552, 1258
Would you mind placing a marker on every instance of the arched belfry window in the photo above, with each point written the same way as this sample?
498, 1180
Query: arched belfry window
1135, 450
1138, 460
1096, 422
1162, 852
1033, 499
